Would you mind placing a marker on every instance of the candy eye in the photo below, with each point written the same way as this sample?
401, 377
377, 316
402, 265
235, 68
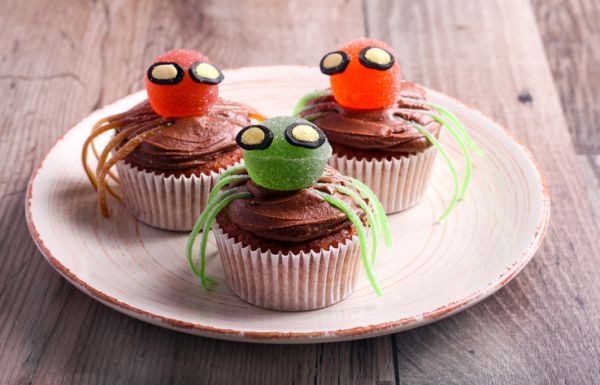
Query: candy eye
334, 62
206, 73
255, 137
165, 73
304, 135
376, 58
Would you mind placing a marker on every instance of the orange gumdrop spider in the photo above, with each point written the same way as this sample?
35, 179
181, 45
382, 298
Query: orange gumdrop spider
179, 83
365, 75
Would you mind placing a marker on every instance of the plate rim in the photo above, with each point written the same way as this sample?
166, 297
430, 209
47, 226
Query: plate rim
344, 334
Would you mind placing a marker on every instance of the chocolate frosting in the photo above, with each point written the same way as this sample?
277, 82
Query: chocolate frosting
387, 129
189, 142
296, 216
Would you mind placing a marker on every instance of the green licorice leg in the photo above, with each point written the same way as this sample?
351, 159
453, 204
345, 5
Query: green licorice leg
205, 280
232, 170
371, 219
459, 126
358, 198
463, 148
452, 118
465, 152
342, 206
437, 145
307, 98
200, 223
225, 181
366, 191
316, 116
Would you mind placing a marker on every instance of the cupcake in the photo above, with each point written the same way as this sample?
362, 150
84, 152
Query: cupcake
291, 231
170, 149
383, 130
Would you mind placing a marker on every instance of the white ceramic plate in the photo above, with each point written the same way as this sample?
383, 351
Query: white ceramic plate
433, 271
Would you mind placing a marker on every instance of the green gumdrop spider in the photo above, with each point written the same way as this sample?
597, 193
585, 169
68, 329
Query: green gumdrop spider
287, 154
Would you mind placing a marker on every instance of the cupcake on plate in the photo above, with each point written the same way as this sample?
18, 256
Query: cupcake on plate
170, 149
291, 231
383, 130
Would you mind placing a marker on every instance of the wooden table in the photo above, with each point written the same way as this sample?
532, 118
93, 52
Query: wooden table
533, 66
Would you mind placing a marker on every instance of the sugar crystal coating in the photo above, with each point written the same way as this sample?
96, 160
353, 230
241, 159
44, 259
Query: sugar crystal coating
360, 87
186, 97
283, 166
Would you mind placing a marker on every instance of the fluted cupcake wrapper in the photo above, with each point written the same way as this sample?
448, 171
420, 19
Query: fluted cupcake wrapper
166, 202
289, 281
399, 183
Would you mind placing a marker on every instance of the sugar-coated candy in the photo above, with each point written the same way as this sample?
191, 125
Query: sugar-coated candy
284, 153
363, 74
182, 83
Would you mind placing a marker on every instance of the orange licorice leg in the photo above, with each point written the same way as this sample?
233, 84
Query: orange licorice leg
113, 143
118, 156
98, 130
111, 174
257, 116
102, 159
110, 146
110, 119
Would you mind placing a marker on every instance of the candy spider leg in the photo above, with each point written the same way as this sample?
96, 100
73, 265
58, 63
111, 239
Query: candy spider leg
346, 209
465, 152
111, 145
463, 148
368, 193
233, 170
307, 98
98, 130
205, 280
120, 155
446, 157
200, 224
92, 144
452, 118
111, 174
371, 218
223, 181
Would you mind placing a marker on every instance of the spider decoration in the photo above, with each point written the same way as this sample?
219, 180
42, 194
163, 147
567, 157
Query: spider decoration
364, 75
287, 154
180, 83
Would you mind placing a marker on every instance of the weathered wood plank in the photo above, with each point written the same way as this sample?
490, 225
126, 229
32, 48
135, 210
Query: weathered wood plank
543, 327
590, 170
58, 62
571, 36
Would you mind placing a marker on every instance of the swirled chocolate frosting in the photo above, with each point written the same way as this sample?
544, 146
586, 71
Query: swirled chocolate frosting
388, 129
296, 216
188, 143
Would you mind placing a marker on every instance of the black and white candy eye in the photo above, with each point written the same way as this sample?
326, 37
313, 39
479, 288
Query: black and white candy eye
334, 63
165, 73
255, 137
304, 135
376, 58
206, 73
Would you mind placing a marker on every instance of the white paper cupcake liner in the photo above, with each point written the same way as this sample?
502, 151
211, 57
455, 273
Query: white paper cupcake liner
398, 183
166, 202
289, 281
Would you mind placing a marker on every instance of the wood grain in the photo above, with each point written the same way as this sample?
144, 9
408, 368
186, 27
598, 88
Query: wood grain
571, 33
590, 170
541, 328
61, 60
